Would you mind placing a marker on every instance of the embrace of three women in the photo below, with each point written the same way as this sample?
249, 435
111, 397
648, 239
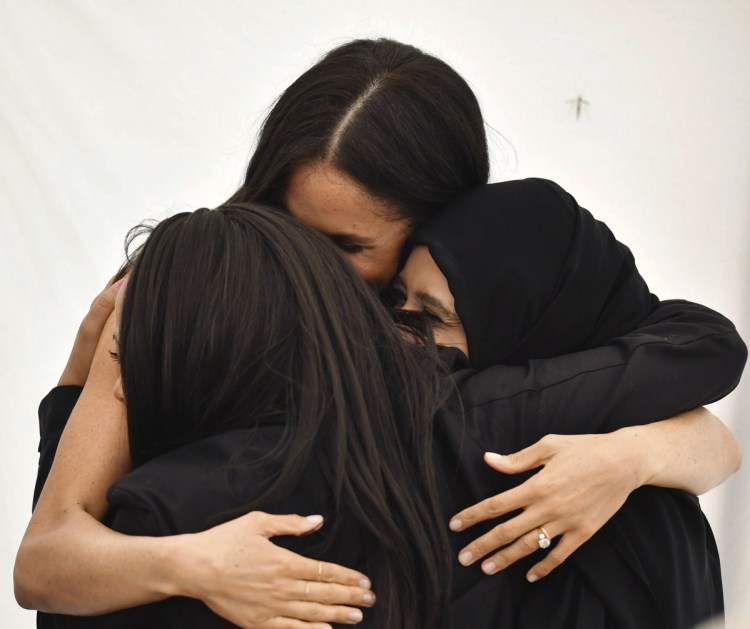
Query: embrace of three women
337, 359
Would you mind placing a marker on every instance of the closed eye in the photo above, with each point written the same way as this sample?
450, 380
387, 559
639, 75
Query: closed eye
348, 247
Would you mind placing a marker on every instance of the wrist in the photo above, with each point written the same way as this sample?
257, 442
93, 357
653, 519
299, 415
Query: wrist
640, 455
177, 574
187, 570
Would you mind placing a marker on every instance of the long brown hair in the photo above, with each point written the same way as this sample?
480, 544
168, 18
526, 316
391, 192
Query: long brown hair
400, 122
240, 314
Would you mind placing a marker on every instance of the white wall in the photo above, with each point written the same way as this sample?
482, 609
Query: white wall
113, 112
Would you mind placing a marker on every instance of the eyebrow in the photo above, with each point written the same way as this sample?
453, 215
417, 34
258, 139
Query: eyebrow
429, 300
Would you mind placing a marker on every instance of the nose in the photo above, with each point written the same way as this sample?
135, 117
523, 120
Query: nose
118, 393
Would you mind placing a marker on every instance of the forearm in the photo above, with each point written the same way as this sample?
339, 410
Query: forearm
81, 567
693, 451
67, 558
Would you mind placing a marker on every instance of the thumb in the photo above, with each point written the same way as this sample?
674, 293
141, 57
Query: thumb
521, 461
272, 525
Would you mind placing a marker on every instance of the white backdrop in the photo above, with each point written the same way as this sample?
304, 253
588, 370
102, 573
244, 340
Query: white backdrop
114, 112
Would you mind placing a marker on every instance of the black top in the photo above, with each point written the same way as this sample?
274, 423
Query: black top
653, 565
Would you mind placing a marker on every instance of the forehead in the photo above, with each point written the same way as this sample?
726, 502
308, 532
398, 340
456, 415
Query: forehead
332, 202
421, 277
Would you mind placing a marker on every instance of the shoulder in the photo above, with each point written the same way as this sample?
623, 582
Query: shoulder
182, 490
533, 193
533, 189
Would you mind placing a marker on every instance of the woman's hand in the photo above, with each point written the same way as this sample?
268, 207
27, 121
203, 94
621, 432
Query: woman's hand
584, 480
82, 355
235, 570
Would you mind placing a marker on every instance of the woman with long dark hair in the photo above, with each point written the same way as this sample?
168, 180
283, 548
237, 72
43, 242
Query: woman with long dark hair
243, 330
366, 145
361, 149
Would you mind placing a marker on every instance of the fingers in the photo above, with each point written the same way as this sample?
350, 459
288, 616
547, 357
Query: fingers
315, 612
568, 544
100, 310
293, 623
492, 507
524, 460
498, 537
270, 525
523, 546
301, 567
324, 572
334, 594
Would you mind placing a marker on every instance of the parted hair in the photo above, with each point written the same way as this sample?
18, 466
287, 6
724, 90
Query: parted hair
400, 122
241, 314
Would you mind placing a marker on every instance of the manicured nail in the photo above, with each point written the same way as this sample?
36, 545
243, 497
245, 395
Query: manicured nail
531, 578
495, 457
315, 520
455, 524
365, 584
489, 567
369, 598
118, 284
355, 615
465, 558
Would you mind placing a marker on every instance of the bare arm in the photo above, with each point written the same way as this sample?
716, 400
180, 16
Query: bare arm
694, 451
70, 563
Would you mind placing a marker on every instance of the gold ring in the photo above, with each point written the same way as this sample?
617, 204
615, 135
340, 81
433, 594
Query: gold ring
544, 538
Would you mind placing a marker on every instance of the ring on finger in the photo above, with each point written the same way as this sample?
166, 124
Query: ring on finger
544, 539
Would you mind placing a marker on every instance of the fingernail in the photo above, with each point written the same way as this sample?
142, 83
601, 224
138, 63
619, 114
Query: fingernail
489, 567
531, 578
365, 584
118, 284
369, 598
465, 558
495, 457
315, 520
355, 615
455, 524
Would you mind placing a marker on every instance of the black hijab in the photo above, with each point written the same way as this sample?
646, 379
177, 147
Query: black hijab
533, 274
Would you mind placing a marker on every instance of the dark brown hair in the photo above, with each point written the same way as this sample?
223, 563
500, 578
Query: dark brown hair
401, 123
242, 314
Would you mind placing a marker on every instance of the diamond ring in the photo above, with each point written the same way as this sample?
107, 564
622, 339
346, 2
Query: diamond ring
544, 540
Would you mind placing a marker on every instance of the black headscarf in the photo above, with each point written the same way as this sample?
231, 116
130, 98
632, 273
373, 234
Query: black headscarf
533, 274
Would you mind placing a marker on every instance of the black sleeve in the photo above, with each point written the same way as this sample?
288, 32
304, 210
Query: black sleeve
54, 411
680, 357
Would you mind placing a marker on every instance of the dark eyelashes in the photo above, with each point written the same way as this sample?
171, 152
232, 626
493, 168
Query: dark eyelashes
347, 248
114, 356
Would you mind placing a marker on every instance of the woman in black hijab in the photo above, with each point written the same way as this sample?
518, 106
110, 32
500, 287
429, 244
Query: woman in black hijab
534, 276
